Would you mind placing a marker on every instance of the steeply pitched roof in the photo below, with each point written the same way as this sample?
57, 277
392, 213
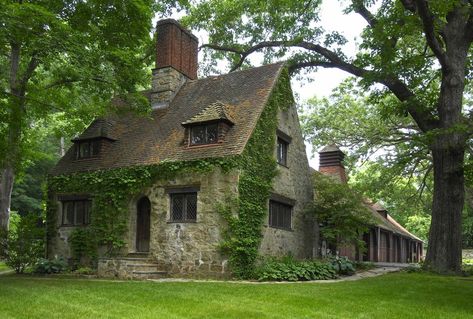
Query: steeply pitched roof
214, 112
388, 222
99, 128
150, 140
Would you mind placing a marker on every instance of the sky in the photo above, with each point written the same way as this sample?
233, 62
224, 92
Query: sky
324, 80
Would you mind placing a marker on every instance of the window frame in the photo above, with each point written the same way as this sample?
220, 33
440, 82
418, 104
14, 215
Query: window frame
280, 205
93, 147
206, 133
282, 151
186, 193
87, 210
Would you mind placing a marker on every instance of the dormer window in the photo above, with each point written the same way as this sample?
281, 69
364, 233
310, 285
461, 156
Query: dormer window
94, 140
204, 134
87, 149
209, 126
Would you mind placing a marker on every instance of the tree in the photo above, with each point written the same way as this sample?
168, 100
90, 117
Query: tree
65, 57
341, 212
419, 51
387, 160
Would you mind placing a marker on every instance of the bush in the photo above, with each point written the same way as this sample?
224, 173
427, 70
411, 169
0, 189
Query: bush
288, 269
50, 266
364, 265
23, 245
84, 271
342, 265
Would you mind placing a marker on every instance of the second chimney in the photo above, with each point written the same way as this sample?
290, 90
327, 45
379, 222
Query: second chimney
176, 61
331, 163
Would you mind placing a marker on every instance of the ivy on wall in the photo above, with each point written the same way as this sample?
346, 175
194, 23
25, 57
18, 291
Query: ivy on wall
112, 189
258, 168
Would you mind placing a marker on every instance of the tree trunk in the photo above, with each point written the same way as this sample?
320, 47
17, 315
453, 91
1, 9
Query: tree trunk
6, 187
445, 237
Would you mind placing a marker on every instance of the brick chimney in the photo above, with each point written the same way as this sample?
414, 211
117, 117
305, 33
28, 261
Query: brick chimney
176, 61
331, 163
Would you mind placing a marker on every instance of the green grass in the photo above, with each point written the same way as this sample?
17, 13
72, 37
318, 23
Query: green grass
400, 295
3, 267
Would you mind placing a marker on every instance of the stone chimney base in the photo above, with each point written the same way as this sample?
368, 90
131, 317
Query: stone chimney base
166, 83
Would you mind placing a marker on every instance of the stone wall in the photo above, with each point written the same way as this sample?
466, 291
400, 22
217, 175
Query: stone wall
293, 182
180, 248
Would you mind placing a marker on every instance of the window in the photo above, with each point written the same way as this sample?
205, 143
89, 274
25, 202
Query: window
76, 212
282, 151
183, 207
87, 149
204, 134
280, 215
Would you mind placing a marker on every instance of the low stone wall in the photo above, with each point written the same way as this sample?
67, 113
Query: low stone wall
467, 253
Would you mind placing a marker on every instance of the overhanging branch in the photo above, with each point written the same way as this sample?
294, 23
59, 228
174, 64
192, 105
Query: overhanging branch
422, 9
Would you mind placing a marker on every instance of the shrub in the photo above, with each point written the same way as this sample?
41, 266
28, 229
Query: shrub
288, 269
363, 265
23, 245
84, 271
50, 266
342, 265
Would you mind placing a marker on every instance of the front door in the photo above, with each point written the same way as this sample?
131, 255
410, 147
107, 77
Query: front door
143, 225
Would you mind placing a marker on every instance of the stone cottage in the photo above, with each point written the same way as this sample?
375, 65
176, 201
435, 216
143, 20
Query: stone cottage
173, 224
387, 241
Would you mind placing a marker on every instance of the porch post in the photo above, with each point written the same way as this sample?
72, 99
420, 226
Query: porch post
378, 242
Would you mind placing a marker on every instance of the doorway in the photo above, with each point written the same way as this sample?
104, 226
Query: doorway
143, 212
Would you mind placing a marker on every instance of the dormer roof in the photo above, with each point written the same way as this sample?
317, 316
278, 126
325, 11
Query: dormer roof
216, 111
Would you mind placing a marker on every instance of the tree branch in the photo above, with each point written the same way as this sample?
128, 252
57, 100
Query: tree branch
360, 8
429, 29
397, 87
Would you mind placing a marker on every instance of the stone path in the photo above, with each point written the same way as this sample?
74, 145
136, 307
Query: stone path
378, 271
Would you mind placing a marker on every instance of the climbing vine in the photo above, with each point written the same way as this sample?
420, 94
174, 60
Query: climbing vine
258, 168
111, 190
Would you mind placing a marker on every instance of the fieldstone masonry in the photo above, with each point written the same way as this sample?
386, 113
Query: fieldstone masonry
293, 182
165, 85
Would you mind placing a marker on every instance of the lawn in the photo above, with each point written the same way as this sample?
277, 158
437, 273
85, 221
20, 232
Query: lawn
3, 267
398, 295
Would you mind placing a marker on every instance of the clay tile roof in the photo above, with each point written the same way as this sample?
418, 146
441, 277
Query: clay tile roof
389, 223
145, 140
101, 127
214, 112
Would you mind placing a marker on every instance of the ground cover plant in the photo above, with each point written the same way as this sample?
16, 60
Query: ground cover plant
400, 295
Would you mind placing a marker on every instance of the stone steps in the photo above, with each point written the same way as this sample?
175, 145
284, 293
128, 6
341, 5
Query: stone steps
132, 266
149, 274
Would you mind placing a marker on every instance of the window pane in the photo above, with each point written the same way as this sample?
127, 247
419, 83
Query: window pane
280, 215
282, 152
95, 148
177, 207
212, 133
80, 212
87, 210
68, 213
84, 150
191, 213
198, 135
